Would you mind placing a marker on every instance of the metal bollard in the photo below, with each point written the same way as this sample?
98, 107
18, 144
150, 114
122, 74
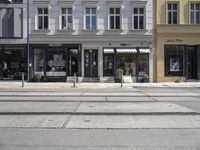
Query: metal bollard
122, 81
74, 80
22, 79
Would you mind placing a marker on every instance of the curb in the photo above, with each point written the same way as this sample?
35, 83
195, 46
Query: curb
101, 114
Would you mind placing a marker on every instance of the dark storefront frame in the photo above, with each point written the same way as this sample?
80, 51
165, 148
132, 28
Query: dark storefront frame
45, 48
14, 67
137, 54
185, 63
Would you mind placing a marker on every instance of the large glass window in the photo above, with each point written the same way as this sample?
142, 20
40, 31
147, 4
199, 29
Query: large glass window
13, 62
39, 61
56, 62
127, 62
195, 13
143, 67
109, 64
174, 61
90, 18
43, 18
114, 18
172, 13
138, 18
67, 19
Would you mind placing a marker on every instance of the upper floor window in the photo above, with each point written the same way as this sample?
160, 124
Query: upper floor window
138, 18
90, 18
67, 19
195, 13
11, 22
11, 1
114, 18
43, 18
172, 13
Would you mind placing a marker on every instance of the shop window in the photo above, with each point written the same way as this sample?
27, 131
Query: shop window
127, 62
143, 67
56, 63
174, 61
39, 61
13, 62
108, 64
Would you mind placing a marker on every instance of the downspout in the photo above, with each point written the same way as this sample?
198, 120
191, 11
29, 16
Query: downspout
28, 48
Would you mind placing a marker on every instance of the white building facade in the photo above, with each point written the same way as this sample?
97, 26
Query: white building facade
92, 38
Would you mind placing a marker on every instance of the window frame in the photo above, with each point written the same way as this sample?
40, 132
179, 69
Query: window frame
66, 16
114, 15
139, 15
43, 15
172, 11
90, 15
194, 11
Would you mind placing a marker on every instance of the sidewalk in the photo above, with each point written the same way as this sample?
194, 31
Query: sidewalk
87, 85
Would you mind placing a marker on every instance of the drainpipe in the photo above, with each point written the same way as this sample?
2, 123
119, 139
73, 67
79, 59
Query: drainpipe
28, 48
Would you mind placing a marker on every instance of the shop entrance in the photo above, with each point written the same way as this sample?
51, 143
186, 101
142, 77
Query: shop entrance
91, 63
73, 62
191, 63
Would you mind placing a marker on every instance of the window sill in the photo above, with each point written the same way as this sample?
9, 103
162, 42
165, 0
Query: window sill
139, 30
114, 30
65, 31
41, 31
92, 30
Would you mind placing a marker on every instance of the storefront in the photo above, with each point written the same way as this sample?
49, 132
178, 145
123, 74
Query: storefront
55, 62
182, 61
13, 61
133, 61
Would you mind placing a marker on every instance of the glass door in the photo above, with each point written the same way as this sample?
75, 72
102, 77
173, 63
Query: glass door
91, 63
73, 62
191, 63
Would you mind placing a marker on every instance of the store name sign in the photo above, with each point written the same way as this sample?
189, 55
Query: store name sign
55, 45
174, 40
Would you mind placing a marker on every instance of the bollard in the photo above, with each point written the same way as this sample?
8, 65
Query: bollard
22, 79
74, 80
122, 81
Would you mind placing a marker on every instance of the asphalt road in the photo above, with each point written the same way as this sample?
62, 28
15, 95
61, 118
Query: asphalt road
142, 118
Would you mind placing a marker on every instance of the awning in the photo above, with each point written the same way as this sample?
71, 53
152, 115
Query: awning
109, 50
144, 50
126, 51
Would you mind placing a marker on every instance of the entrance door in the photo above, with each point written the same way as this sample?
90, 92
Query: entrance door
191, 63
73, 62
91, 63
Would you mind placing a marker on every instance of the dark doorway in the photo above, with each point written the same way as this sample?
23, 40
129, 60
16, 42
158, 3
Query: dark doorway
73, 62
91, 63
191, 63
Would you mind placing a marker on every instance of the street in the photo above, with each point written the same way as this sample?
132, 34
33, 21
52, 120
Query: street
134, 118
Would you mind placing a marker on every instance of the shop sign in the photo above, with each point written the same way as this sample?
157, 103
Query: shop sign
174, 40
55, 45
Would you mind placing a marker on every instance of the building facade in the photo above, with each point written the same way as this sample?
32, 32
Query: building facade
13, 38
176, 40
92, 38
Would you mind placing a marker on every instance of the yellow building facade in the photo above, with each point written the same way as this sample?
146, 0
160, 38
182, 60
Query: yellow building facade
176, 40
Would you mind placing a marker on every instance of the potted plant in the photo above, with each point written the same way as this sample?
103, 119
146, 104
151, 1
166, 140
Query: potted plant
118, 75
37, 77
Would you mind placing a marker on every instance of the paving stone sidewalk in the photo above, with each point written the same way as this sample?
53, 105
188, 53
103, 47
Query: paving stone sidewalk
86, 85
